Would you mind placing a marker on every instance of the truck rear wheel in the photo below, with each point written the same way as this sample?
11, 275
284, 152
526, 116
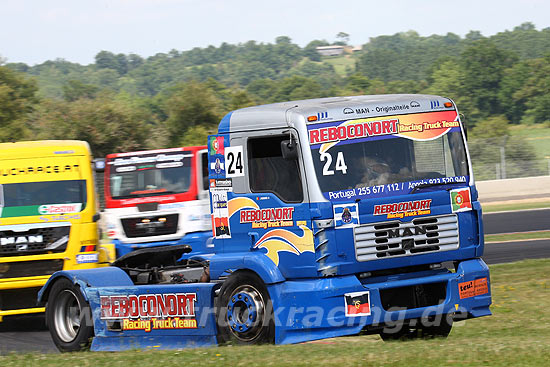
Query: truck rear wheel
69, 318
245, 312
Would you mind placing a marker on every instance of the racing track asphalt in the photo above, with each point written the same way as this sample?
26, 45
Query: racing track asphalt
29, 334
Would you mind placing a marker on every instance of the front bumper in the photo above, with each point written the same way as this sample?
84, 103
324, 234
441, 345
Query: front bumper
316, 309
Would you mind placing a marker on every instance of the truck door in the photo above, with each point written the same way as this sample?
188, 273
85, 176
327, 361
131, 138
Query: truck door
269, 205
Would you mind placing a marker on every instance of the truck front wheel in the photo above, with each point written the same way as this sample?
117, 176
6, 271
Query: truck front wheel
69, 317
440, 329
245, 312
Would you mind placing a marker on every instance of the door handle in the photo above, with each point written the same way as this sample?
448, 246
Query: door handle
253, 236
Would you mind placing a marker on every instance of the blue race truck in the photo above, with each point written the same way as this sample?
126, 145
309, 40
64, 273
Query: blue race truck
330, 217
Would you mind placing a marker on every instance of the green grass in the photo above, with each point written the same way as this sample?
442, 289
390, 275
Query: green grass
517, 236
536, 135
341, 63
518, 334
491, 208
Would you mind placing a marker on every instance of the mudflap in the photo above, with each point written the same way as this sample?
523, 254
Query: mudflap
153, 316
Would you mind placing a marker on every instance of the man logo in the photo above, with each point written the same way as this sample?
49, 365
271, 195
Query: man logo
407, 232
21, 241
347, 111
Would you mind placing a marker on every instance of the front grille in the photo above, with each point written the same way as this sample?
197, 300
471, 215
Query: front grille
148, 226
32, 239
16, 299
413, 296
394, 239
29, 268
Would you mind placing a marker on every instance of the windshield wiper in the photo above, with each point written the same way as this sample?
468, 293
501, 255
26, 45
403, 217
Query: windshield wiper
424, 185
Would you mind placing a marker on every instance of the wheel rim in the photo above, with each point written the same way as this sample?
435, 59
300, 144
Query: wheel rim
67, 315
245, 313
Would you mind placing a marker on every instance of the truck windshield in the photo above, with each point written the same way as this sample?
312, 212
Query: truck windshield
47, 197
150, 175
391, 162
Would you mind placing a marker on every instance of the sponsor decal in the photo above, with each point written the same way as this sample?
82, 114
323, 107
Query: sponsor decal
268, 218
155, 324
404, 209
357, 304
64, 152
473, 288
434, 105
125, 169
397, 107
60, 217
265, 215
143, 200
216, 145
60, 208
149, 159
322, 116
460, 200
282, 240
346, 215
221, 183
170, 206
87, 248
414, 104
347, 111
217, 166
87, 258
418, 126
151, 311
352, 130
220, 213
39, 170
363, 110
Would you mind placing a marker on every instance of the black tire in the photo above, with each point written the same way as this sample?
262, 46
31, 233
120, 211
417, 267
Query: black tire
438, 330
245, 312
69, 317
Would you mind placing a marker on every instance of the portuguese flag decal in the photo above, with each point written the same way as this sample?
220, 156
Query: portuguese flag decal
216, 145
460, 200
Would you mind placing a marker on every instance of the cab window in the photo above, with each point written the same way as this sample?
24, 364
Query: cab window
270, 172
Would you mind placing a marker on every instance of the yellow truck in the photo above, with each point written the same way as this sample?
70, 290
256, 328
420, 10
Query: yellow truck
48, 218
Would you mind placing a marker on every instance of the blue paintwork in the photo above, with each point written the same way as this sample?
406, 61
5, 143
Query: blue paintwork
225, 123
315, 309
255, 261
99, 277
203, 335
197, 240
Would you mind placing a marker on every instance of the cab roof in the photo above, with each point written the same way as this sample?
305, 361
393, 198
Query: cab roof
286, 114
44, 148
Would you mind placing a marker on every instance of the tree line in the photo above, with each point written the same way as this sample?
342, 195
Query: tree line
127, 102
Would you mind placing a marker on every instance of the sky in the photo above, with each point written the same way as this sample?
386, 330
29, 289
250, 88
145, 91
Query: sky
34, 31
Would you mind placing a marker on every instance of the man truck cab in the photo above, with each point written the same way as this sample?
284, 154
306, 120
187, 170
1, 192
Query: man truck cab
330, 217
157, 197
48, 218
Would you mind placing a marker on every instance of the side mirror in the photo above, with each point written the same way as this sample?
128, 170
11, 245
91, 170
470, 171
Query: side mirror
99, 164
289, 149
462, 119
